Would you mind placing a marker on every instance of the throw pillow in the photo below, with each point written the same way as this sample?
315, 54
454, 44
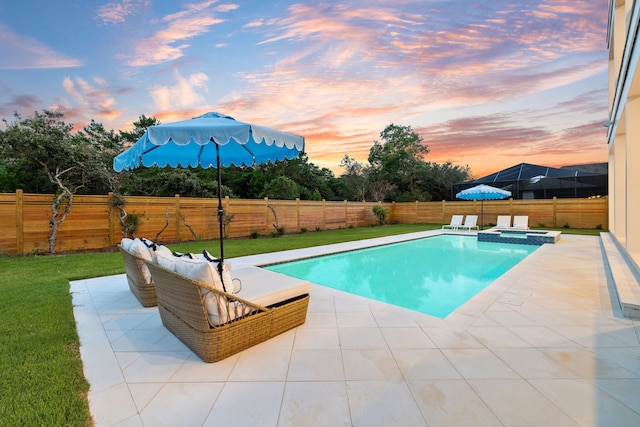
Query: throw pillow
160, 249
126, 244
199, 270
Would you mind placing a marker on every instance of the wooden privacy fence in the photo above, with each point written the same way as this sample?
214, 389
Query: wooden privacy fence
93, 222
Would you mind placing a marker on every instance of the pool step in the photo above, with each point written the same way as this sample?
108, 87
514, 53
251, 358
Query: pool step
626, 277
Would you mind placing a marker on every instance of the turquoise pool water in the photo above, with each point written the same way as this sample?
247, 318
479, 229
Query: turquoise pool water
434, 275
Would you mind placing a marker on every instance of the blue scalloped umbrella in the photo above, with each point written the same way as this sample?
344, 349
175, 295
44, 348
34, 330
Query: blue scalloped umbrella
209, 140
483, 192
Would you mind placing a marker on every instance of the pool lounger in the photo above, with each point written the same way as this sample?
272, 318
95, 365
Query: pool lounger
456, 221
268, 304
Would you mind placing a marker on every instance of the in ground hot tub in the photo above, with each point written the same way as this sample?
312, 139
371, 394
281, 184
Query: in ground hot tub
523, 237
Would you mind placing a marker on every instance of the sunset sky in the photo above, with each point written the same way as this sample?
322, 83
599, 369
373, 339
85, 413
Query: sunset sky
488, 84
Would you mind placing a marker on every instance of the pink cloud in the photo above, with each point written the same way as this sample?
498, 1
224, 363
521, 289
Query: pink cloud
88, 99
169, 43
19, 52
117, 12
25, 103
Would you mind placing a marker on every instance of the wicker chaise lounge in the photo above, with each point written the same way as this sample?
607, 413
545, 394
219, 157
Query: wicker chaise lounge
242, 323
140, 281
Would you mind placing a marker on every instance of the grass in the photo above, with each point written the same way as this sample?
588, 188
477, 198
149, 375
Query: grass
242, 247
41, 380
41, 372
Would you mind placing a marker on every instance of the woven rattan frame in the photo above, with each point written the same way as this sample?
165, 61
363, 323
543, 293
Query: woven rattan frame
183, 312
145, 292
289, 314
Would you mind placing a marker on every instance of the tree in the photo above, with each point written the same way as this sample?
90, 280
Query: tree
355, 177
188, 182
438, 179
44, 143
397, 171
396, 161
314, 183
105, 145
139, 128
282, 188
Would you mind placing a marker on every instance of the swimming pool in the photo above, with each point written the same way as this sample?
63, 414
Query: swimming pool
433, 275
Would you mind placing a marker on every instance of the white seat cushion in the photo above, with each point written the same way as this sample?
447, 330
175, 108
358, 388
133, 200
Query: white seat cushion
265, 288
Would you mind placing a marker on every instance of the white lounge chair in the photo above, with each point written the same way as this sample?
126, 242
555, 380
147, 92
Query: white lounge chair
503, 221
521, 222
471, 221
456, 221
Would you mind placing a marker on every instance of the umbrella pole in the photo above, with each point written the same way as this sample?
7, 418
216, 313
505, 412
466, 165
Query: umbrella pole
482, 213
220, 216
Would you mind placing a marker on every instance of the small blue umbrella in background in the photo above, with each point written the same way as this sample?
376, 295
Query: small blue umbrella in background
209, 140
483, 192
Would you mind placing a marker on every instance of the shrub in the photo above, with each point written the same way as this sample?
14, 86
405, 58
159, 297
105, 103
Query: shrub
132, 222
381, 213
254, 234
226, 220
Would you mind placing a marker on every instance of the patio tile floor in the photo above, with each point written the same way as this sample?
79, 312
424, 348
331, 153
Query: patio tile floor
545, 344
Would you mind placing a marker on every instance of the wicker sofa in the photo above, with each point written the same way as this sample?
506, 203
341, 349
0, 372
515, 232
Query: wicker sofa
242, 322
140, 281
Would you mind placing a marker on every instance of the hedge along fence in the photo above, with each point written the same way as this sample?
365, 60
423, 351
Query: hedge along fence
93, 222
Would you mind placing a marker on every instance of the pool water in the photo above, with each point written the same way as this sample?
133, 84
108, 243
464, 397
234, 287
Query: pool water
434, 275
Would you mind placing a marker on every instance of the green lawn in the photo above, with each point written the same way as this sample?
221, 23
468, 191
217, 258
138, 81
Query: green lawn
42, 382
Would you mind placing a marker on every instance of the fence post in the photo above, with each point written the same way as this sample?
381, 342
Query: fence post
364, 212
110, 231
19, 222
346, 215
324, 214
298, 212
444, 221
555, 212
266, 215
177, 204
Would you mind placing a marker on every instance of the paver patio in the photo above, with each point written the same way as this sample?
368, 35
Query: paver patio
545, 344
